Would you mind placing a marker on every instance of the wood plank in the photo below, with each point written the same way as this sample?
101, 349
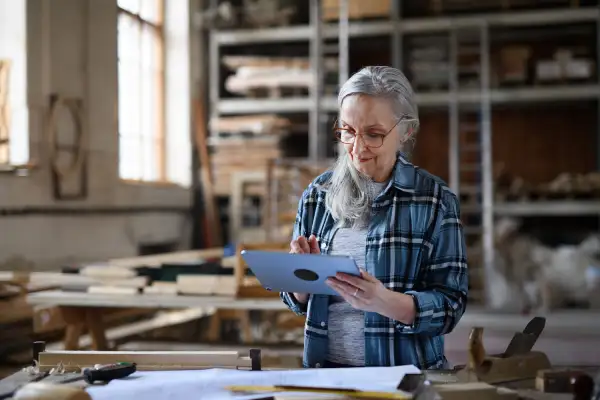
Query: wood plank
75, 299
155, 261
145, 360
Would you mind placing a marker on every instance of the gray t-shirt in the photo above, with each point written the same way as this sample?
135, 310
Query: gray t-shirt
346, 324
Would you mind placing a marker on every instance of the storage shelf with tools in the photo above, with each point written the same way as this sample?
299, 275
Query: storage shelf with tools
518, 69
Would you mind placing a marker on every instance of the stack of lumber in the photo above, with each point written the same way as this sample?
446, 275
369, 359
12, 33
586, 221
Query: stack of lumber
242, 155
197, 272
258, 124
275, 77
564, 186
244, 144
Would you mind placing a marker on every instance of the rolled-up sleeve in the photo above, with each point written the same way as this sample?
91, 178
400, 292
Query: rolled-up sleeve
442, 298
299, 230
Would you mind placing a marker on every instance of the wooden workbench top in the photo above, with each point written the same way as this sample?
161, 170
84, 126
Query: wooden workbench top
557, 322
81, 299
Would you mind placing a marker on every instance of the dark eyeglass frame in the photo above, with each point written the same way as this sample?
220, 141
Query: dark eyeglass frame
338, 131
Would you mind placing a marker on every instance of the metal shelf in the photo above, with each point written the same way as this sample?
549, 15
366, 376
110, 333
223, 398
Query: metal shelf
416, 25
456, 99
547, 208
437, 99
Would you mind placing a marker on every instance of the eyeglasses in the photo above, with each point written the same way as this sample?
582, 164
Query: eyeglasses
370, 139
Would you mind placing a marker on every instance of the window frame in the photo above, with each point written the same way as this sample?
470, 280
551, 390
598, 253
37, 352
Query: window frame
160, 85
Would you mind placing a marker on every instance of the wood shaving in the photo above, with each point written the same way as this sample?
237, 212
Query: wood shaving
32, 369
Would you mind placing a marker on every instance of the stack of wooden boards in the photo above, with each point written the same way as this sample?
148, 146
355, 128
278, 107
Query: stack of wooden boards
195, 272
273, 77
237, 154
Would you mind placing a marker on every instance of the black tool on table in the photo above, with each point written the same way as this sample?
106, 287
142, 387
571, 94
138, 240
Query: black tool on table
104, 373
523, 342
418, 386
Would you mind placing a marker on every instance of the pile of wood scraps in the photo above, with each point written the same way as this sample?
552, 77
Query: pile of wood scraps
564, 186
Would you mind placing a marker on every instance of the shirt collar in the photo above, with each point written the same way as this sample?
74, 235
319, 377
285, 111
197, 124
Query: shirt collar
404, 174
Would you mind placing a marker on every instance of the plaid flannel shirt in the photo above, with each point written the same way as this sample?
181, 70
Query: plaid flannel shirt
415, 245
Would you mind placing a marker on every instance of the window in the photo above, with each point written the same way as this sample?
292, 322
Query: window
141, 74
14, 112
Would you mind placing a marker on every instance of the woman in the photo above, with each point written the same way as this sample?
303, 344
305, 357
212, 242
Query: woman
398, 222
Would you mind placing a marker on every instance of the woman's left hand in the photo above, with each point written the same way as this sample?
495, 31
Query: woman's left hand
366, 293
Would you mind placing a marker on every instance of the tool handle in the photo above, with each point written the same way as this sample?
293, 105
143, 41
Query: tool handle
107, 373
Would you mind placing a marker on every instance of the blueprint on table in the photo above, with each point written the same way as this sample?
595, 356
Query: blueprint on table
210, 383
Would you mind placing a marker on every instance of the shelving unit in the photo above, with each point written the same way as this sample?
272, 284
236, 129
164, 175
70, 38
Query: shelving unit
455, 99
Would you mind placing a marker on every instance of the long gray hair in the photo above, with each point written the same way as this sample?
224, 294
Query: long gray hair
350, 193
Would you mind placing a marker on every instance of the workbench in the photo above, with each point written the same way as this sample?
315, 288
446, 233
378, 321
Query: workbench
518, 372
83, 311
525, 389
567, 332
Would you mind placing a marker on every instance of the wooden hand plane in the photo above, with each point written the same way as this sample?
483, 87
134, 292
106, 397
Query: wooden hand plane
515, 363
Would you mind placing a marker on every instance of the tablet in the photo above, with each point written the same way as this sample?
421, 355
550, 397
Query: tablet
299, 273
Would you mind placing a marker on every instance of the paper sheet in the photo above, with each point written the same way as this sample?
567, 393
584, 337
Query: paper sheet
209, 384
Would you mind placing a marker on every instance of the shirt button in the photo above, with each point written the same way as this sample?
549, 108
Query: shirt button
323, 324
317, 365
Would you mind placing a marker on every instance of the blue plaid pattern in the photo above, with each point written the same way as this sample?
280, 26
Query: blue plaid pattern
415, 245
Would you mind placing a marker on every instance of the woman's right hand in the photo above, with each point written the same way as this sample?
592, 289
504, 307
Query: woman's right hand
304, 246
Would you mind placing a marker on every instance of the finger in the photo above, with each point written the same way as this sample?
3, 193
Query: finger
368, 277
360, 283
295, 247
342, 287
314, 244
355, 301
303, 244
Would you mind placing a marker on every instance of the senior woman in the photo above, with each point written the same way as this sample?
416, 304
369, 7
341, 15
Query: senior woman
400, 224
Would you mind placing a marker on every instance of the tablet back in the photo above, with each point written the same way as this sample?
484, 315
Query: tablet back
300, 273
